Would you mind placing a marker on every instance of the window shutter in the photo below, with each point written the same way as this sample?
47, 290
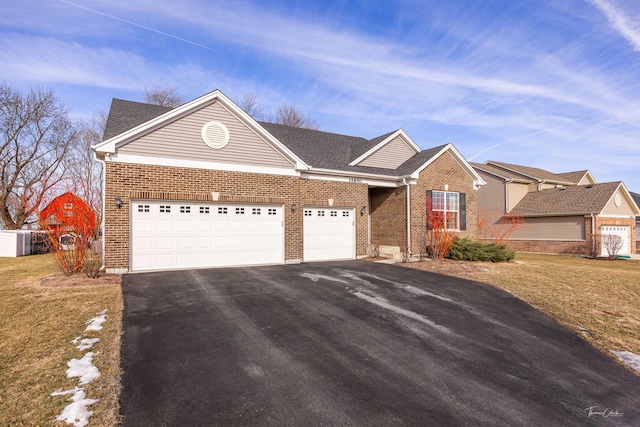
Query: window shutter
428, 210
463, 211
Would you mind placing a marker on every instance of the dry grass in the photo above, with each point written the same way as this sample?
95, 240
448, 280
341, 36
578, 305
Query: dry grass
42, 312
598, 299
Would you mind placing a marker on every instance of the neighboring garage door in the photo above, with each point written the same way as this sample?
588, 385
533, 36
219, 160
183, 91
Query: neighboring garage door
616, 230
329, 233
170, 234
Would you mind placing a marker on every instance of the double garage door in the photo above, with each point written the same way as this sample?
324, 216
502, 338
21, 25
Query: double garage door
170, 234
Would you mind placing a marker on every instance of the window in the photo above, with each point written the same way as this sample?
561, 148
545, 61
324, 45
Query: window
204, 209
68, 205
143, 208
239, 211
345, 213
307, 212
334, 213
255, 211
271, 212
320, 213
165, 209
185, 209
445, 208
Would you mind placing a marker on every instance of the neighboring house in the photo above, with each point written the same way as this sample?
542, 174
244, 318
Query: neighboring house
561, 212
60, 215
67, 217
636, 198
205, 185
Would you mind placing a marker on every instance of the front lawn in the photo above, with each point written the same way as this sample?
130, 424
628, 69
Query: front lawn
598, 299
41, 312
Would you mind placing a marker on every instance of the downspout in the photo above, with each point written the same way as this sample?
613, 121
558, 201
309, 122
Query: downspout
404, 181
104, 206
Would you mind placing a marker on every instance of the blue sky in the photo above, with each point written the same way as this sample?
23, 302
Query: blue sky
550, 84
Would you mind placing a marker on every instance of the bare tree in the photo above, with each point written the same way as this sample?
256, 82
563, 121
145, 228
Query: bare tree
36, 137
612, 244
165, 96
291, 115
85, 171
249, 103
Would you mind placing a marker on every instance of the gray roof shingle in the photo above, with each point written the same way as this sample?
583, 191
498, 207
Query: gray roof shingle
536, 173
571, 200
322, 150
125, 115
573, 177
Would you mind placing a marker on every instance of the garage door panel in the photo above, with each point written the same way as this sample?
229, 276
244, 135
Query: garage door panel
169, 235
164, 225
328, 234
184, 226
616, 230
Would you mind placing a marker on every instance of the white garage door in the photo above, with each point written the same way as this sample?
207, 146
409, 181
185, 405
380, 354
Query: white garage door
616, 230
170, 234
329, 233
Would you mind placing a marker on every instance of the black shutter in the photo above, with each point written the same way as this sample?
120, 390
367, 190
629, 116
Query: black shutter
463, 211
429, 209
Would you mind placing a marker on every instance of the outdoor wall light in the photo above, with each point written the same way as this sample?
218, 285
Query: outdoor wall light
362, 209
293, 207
118, 202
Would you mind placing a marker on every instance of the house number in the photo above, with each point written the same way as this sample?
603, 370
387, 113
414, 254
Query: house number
359, 180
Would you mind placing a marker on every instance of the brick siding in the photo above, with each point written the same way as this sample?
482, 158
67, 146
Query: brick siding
162, 182
444, 171
388, 216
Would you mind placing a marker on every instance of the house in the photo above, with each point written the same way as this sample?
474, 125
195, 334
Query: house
636, 198
206, 185
62, 214
561, 213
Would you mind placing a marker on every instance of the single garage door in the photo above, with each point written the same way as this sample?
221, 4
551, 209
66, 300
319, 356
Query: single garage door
170, 234
616, 230
329, 233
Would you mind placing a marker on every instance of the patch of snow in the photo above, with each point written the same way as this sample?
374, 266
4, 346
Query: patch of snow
95, 324
315, 277
632, 360
87, 343
76, 339
83, 368
399, 310
76, 413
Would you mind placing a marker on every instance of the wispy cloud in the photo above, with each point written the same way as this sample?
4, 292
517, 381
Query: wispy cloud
628, 26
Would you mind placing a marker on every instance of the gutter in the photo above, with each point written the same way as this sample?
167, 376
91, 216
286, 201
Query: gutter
336, 172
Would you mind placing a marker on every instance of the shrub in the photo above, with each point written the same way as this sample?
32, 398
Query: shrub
473, 250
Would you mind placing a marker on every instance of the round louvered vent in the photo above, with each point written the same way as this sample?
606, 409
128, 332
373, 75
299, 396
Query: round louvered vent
215, 135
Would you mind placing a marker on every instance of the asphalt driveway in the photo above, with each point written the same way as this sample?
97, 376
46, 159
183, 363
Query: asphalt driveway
355, 344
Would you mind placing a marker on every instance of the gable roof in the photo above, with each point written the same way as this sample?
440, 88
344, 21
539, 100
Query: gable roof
315, 150
504, 174
573, 177
572, 200
536, 174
